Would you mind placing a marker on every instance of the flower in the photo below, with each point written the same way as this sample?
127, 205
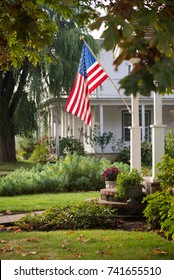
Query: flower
110, 174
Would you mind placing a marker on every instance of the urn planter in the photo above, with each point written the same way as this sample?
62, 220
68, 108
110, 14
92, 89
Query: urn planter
110, 184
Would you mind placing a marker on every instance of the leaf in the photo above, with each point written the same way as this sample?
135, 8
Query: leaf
3, 241
78, 255
28, 253
18, 247
6, 249
106, 238
80, 237
140, 238
158, 252
32, 239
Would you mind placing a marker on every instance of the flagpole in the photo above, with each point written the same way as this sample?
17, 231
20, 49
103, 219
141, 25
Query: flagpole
129, 110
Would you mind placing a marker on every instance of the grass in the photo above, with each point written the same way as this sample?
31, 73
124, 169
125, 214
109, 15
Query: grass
73, 245
25, 203
5, 168
85, 245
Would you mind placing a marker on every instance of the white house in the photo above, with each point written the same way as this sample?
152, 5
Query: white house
110, 112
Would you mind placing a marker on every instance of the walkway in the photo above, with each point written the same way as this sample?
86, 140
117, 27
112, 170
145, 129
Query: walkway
8, 219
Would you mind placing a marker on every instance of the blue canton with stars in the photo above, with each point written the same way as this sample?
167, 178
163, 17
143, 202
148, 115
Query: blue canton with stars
86, 61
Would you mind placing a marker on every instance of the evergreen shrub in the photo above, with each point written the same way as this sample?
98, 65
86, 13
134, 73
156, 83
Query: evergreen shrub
70, 173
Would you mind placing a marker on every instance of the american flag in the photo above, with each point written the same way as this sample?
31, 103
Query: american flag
89, 76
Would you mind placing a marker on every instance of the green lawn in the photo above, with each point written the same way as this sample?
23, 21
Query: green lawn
85, 245
43, 201
79, 244
5, 168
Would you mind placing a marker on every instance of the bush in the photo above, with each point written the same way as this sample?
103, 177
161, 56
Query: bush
146, 153
70, 173
122, 150
25, 147
126, 180
169, 143
84, 216
40, 153
165, 174
159, 211
71, 145
157, 208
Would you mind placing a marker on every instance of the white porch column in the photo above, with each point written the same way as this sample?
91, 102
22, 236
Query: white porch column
65, 125
135, 133
57, 134
157, 134
101, 119
49, 128
135, 130
143, 122
52, 123
62, 123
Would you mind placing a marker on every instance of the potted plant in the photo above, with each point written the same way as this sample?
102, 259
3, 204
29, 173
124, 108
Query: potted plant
129, 185
110, 176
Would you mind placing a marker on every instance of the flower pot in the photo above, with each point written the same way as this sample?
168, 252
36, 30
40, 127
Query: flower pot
110, 184
134, 193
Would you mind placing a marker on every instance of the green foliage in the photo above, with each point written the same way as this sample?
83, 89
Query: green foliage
71, 173
25, 116
96, 138
122, 150
25, 33
145, 33
156, 209
165, 173
146, 153
127, 179
25, 147
40, 153
169, 143
84, 216
159, 212
71, 145
168, 225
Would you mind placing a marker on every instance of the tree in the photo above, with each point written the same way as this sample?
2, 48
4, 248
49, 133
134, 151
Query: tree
145, 30
26, 32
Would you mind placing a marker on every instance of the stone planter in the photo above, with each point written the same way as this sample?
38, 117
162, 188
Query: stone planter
134, 193
110, 184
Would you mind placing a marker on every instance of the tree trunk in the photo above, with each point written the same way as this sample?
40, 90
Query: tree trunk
7, 144
9, 100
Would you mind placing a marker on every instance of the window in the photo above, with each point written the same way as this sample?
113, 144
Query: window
126, 123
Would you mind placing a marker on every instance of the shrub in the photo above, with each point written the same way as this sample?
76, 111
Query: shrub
158, 205
98, 139
127, 179
84, 216
71, 145
165, 174
146, 153
168, 224
169, 143
40, 153
159, 211
25, 147
70, 173
122, 150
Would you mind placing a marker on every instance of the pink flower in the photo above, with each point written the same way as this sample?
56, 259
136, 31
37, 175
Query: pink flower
110, 174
